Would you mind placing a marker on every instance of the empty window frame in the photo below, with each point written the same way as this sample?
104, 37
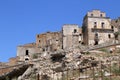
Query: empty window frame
26, 52
112, 27
95, 24
109, 36
75, 30
92, 15
103, 25
39, 41
101, 15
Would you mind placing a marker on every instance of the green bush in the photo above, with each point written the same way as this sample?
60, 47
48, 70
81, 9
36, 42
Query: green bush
35, 56
115, 70
104, 50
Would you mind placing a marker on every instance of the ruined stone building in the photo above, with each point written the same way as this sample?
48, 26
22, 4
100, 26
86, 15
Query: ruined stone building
116, 23
72, 35
97, 28
25, 52
50, 41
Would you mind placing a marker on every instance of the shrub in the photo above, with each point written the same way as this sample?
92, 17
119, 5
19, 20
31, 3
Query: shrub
35, 56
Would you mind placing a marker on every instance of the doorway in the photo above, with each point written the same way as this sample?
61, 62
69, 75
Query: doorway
27, 53
96, 39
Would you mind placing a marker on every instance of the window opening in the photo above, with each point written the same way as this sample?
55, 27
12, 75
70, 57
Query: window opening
27, 53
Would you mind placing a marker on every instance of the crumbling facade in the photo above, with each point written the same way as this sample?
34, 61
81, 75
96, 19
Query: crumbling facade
25, 52
50, 41
72, 36
96, 29
116, 23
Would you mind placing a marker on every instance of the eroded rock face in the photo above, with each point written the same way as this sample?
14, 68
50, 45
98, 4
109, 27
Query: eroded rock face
57, 57
45, 77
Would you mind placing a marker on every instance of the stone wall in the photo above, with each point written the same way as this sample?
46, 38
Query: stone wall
49, 41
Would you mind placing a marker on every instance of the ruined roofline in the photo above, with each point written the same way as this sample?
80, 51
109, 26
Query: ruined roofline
98, 17
14, 57
28, 45
48, 32
70, 24
118, 18
96, 10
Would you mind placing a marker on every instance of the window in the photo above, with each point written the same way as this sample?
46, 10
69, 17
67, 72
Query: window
112, 28
80, 34
39, 41
79, 41
96, 39
26, 59
101, 15
102, 24
91, 14
27, 53
95, 24
38, 36
109, 36
43, 49
96, 34
75, 30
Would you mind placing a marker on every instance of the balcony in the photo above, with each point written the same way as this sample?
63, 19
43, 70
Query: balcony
102, 30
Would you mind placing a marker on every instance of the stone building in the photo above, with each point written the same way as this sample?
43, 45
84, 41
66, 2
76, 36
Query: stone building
46, 42
116, 23
97, 28
72, 35
50, 41
25, 52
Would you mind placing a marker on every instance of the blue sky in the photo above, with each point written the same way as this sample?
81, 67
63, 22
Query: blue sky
21, 20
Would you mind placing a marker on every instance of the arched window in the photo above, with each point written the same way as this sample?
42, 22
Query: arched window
91, 14
102, 24
112, 28
75, 30
96, 39
95, 24
101, 15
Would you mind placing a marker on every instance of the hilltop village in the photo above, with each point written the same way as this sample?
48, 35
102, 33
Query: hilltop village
88, 52
97, 28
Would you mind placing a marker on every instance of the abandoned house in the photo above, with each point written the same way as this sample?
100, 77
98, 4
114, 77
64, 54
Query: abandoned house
97, 28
